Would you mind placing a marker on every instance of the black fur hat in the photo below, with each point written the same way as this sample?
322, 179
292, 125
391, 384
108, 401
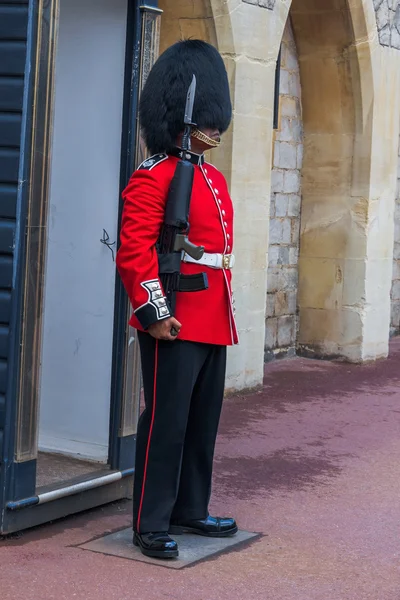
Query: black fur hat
163, 99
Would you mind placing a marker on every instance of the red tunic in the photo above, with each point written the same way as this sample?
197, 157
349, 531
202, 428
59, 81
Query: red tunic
206, 316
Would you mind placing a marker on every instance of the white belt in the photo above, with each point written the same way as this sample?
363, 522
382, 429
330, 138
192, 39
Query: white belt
215, 261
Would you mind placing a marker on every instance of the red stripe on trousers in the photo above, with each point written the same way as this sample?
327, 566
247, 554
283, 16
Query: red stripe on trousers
149, 438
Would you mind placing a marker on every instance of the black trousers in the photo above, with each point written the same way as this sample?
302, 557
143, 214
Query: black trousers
183, 387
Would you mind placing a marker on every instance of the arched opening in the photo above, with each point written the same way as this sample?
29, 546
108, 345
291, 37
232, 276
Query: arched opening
335, 180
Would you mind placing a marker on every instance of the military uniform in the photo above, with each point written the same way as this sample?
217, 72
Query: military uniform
183, 379
206, 316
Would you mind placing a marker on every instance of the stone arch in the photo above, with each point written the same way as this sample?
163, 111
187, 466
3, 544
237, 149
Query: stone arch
334, 42
337, 99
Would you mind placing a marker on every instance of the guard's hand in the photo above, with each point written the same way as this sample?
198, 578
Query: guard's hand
161, 330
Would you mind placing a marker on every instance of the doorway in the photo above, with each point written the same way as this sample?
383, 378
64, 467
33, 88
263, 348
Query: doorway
79, 283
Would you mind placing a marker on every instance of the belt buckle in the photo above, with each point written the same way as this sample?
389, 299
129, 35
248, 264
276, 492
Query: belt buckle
226, 261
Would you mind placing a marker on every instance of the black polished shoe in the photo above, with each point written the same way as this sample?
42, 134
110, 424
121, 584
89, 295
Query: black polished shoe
210, 527
156, 545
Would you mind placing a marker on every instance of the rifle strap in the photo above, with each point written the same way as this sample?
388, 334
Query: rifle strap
169, 266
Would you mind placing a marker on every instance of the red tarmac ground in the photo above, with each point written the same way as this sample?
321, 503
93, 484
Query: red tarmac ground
312, 461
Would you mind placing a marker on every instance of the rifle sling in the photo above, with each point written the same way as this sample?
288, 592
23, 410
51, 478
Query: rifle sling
169, 264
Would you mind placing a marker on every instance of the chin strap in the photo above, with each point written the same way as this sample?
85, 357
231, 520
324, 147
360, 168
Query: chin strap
199, 135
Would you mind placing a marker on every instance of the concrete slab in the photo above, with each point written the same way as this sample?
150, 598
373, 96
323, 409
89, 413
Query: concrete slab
192, 548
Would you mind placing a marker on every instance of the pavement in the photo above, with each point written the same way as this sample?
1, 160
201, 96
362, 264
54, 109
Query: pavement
311, 462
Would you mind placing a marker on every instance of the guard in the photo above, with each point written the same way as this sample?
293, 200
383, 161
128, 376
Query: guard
175, 260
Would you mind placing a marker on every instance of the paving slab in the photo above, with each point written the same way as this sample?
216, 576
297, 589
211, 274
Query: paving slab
192, 548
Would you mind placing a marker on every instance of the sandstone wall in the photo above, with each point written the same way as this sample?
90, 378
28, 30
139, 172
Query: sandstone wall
350, 74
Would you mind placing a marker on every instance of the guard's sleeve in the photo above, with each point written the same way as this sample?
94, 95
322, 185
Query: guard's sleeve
137, 261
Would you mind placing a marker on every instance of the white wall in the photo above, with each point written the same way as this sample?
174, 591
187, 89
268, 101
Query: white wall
80, 275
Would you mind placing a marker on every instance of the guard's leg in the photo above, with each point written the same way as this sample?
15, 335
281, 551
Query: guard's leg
197, 461
170, 370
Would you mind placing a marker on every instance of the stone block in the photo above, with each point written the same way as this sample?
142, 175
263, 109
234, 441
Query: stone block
286, 231
291, 182
322, 282
287, 156
284, 255
289, 106
281, 303
270, 305
251, 81
293, 256
276, 154
281, 205
295, 231
331, 332
276, 279
292, 302
290, 59
294, 206
385, 35
275, 231
272, 206
291, 277
396, 252
276, 181
284, 134
286, 331
273, 256
294, 85
291, 130
271, 331
396, 270
382, 15
396, 290
395, 314
397, 230
378, 281
266, 4
284, 82
300, 152
395, 37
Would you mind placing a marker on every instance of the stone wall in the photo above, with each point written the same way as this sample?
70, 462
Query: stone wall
388, 22
281, 322
395, 296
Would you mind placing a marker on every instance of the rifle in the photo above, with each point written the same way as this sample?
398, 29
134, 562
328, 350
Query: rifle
173, 241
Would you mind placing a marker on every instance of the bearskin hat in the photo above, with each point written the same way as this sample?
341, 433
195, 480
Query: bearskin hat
163, 99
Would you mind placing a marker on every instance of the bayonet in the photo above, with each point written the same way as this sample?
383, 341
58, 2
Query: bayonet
190, 102
189, 114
